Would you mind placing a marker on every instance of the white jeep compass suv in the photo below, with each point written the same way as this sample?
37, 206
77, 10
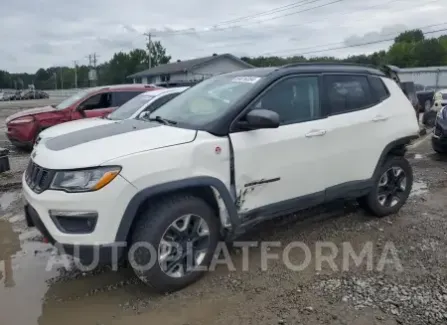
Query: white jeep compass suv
231, 151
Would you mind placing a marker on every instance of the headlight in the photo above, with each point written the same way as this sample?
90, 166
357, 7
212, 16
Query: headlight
20, 120
86, 180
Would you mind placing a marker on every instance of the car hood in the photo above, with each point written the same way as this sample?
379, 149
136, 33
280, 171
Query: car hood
28, 112
72, 126
96, 145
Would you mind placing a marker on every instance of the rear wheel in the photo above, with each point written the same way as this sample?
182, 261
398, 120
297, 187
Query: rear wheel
173, 240
391, 188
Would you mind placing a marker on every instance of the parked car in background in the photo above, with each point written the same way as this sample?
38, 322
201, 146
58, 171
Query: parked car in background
146, 102
425, 98
23, 127
440, 99
439, 136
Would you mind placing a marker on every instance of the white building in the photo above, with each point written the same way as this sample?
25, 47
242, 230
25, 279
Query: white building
429, 77
190, 71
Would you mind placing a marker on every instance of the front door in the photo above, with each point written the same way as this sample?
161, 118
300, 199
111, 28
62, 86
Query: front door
278, 169
97, 105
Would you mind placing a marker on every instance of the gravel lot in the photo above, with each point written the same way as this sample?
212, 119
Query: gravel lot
412, 291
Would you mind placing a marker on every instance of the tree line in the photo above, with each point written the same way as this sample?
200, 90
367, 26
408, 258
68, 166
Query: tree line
409, 49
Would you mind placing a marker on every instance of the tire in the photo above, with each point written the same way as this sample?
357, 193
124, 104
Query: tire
371, 202
152, 226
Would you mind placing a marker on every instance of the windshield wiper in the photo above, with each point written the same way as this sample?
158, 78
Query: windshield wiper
159, 119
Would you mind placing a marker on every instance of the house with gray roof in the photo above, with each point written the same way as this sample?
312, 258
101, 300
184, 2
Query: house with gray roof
189, 72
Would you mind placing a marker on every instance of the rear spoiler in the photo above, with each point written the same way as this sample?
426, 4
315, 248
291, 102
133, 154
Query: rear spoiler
392, 72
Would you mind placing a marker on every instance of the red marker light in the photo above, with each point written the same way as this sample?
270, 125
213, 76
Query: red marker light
218, 150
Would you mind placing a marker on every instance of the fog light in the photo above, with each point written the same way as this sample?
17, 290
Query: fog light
74, 222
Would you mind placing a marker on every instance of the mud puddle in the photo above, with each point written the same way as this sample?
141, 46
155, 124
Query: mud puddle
32, 289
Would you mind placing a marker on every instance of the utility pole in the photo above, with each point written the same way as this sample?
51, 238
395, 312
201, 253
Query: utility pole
149, 47
55, 80
76, 73
95, 57
62, 77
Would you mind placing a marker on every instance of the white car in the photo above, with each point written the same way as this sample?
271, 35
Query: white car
132, 109
163, 191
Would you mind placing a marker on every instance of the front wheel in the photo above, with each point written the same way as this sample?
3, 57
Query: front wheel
173, 241
391, 188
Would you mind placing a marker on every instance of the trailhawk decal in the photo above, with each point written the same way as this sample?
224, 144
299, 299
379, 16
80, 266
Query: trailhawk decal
75, 138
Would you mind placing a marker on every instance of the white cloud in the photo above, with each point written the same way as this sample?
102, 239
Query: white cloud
43, 33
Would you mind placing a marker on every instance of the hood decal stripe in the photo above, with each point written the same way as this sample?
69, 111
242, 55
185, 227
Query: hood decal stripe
75, 138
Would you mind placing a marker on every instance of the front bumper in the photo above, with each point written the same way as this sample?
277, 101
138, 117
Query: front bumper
87, 254
20, 136
108, 204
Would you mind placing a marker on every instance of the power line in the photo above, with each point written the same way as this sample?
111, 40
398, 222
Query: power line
189, 31
263, 13
339, 43
355, 45
351, 20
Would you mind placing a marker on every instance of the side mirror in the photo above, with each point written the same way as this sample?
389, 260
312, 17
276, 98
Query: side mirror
260, 119
81, 109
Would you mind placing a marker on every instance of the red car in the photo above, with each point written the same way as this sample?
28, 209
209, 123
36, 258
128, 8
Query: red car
23, 127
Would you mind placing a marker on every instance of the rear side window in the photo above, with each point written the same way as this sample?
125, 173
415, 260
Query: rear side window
347, 93
379, 88
120, 97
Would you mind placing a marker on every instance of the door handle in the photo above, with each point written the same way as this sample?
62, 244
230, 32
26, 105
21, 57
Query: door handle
316, 133
379, 118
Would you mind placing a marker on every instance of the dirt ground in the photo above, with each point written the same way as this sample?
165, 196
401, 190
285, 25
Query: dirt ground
414, 293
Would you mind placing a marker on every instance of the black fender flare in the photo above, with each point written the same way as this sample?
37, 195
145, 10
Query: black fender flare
396, 147
132, 208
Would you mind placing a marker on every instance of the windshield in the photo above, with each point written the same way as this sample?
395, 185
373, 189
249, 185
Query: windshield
73, 99
130, 107
206, 101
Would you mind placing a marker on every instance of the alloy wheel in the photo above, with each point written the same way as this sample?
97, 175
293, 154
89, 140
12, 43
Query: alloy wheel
391, 187
184, 245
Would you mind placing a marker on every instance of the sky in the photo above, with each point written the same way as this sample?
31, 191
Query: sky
45, 33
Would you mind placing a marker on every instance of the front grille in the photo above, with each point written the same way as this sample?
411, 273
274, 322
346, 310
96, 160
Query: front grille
38, 178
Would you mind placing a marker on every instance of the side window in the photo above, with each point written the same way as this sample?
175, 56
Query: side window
97, 101
295, 99
379, 88
160, 102
347, 93
120, 97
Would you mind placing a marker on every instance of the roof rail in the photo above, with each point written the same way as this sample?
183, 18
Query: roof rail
298, 64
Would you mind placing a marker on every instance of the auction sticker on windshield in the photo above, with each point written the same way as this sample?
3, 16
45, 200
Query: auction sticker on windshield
249, 80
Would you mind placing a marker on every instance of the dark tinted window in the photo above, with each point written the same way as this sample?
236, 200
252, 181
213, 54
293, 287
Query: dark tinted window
379, 88
120, 97
97, 101
347, 93
294, 99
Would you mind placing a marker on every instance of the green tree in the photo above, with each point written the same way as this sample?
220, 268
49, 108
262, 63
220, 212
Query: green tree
410, 36
430, 52
158, 54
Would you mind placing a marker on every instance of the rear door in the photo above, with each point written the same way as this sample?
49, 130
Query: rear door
357, 116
